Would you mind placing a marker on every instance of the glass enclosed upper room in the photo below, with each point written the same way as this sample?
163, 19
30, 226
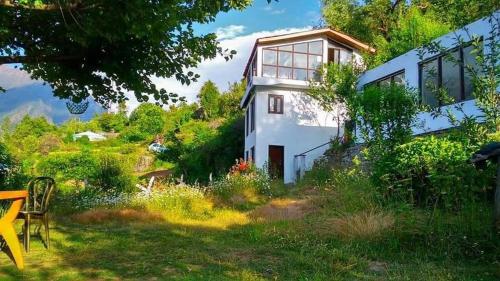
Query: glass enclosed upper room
299, 56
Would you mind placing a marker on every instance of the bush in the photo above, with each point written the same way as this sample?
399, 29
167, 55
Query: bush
431, 171
110, 175
68, 166
244, 179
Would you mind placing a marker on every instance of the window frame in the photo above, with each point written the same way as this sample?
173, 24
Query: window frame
276, 109
277, 50
252, 118
252, 153
439, 57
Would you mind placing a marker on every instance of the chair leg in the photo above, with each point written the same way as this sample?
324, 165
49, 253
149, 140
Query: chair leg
26, 233
46, 226
9, 234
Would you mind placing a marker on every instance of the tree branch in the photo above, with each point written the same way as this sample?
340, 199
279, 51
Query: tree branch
38, 7
28, 59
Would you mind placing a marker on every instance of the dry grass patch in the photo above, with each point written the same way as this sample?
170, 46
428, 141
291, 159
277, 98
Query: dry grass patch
366, 225
282, 209
120, 215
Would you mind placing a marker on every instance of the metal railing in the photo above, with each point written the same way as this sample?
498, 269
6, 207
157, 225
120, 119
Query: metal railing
299, 161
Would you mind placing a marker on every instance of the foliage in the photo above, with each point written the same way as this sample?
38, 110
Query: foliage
209, 99
386, 115
148, 118
338, 88
111, 175
244, 179
432, 171
229, 101
112, 122
395, 27
48, 143
79, 52
65, 166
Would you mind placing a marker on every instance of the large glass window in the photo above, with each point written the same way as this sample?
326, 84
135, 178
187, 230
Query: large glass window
397, 78
295, 61
451, 72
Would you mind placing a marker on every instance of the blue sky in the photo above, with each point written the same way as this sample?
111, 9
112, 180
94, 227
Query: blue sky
263, 16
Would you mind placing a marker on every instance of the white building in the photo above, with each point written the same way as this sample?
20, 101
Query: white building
282, 122
90, 135
416, 69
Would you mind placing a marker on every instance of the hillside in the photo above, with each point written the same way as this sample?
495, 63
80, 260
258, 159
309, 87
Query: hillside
26, 96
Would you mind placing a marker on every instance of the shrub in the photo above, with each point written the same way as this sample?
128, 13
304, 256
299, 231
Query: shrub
48, 143
244, 179
431, 171
386, 115
111, 175
65, 166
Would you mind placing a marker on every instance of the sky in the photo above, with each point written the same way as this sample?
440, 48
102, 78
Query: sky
238, 30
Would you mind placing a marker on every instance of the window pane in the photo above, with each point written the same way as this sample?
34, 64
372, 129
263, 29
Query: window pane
316, 48
271, 104
399, 79
314, 75
270, 57
451, 76
385, 83
345, 56
300, 60
300, 74
268, 71
285, 59
286, 48
315, 61
279, 105
471, 66
301, 48
285, 73
429, 82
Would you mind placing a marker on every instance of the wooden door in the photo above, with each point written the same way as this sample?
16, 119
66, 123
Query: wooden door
276, 161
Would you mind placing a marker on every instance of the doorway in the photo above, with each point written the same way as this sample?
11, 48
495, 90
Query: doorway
276, 161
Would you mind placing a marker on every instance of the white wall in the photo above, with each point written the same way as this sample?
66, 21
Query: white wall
302, 126
409, 62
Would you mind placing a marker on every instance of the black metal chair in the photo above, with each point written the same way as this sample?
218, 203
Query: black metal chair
37, 208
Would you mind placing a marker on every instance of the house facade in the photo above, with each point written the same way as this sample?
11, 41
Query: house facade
282, 123
423, 71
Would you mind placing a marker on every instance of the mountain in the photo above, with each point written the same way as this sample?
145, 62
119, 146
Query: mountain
25, 96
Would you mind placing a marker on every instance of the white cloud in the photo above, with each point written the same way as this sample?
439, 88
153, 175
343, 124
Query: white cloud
278, 12
271, 10
11, 77
229, 31
218, 70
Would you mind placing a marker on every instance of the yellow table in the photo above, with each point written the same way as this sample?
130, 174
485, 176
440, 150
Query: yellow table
6, 224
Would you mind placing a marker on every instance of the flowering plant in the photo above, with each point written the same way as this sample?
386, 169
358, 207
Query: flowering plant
242, 167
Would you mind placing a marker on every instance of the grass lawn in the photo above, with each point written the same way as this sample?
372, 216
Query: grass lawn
300, 237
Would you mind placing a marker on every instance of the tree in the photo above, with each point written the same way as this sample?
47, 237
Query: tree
148, 118
394, 27
112, 121
229, 102
106, 48
337, 89
209, 99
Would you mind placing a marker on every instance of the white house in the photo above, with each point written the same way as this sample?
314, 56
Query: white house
90, 135
283, 124
416, 69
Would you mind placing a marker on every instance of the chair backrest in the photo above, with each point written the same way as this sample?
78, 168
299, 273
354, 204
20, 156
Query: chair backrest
40, 190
